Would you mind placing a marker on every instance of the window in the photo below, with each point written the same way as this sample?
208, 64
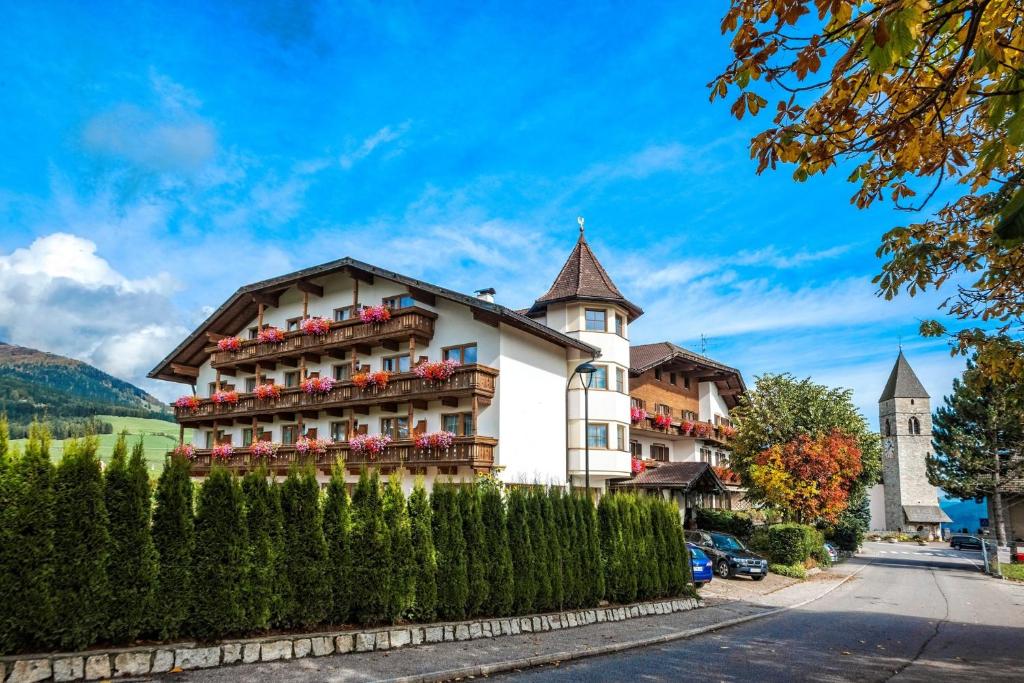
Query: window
247, 436
620, 380
599, 379
686, 382
289, 434
596, 320
705, 455
659, 452
460, 424
250, 384
395, 427
888, 428
636, 402
915, 426
597, 435
464, 354
398, 301
663, 409
341, 372
395, 363
339, 431
292, 324
671, 378
344, 313
620, 325
635, 449
254, 332
620, 431
657, 375
689, 416
211, 389
291, 378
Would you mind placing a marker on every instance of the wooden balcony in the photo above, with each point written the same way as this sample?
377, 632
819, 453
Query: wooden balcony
405, 323
476, 452
468, 380
705, 431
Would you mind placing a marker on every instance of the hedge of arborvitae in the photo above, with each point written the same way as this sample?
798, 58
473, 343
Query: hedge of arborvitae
87, 558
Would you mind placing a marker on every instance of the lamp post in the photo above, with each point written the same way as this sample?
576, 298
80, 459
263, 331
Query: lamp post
586, 372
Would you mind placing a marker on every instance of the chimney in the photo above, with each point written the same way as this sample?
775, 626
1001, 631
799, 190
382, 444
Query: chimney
486, 294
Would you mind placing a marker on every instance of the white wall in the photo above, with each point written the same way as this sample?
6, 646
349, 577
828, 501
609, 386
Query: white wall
711, 402
876, 503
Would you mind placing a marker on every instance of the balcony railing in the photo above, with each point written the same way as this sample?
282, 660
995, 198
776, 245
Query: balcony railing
468, 380
707, 431
404, 323
470, 451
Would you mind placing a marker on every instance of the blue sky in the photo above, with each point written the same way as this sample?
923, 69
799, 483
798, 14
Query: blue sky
156, 158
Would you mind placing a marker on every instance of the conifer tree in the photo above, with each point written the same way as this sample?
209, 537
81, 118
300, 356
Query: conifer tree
519, 541
589, 557
132, 564
338, 535
174, 539
396, 521
476, 560
371, 552
643, 550
263, 531
612, 547
8, 579
555, 562
81, 544
498, 556
219, 559
423, 554
540, 546
568, 539
452, 584
305, 590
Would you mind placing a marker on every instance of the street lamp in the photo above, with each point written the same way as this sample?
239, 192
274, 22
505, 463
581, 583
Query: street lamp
586, 372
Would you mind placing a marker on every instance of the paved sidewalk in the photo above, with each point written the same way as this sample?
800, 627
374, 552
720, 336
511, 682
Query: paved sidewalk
429, 662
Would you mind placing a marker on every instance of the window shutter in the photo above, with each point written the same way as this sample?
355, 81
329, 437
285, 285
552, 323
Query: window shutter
362, 429
421, 427
311, 433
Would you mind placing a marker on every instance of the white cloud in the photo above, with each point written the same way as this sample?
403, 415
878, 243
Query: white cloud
383, 136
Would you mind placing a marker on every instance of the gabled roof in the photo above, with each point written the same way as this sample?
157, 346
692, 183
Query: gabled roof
903, 383
676, 475
242, 307
583, 278
644, 357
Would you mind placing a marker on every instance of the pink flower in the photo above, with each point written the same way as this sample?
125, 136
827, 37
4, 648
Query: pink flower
372, 445
702, 430
267, 392
187, 403
441, 441
317, 386
264, 449
306, 446
637, 415
185, 450
375, 314
663, 421
222, 397
686, 427
636, 465
436, 371
270, 335
315, 327
229, 344
222, 451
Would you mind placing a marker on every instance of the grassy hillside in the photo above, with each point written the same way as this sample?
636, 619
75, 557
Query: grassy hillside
158, 437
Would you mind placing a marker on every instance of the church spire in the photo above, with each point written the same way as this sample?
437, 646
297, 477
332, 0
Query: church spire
903, 382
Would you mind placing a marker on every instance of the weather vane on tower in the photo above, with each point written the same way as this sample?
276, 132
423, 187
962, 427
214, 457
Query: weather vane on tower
579, 219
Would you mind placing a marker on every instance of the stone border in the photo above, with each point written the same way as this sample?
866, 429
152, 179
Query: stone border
157, 659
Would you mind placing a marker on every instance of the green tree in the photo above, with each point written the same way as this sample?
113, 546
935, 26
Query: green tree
305, 588
423, 554
542, 566
220, 558
371, 556
978, 435
478, 595
264, 534
453, 583
81, 544
26, 600
396, 521
498, 556
590, 558
174, 538
555, 562
519, 541
132, 567
338, 534
8, 579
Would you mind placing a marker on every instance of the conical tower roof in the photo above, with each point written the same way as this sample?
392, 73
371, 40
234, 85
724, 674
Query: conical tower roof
903, 383
583, 278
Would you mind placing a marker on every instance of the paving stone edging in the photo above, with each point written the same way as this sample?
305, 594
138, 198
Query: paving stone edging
155, 659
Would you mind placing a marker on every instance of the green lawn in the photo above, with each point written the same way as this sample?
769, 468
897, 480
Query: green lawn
1014, 572
158, 437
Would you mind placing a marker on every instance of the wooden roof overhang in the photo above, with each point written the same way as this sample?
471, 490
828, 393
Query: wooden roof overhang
687, 477
697, 368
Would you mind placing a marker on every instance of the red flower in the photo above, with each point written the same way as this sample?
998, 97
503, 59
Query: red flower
229, 344
663, 421
637, 465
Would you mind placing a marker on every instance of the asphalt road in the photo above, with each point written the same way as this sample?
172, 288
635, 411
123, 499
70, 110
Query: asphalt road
911, 614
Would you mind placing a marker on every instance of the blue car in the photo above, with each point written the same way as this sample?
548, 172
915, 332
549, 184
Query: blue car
703, 568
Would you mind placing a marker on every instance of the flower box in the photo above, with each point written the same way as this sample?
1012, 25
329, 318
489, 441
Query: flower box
662, 421
315, 327
229, 344
371, 380
701, 430
268, 392
185, 450
375, 314
369, 444
317, 386
190, 403
636, 465
306, 446
270, 335
637, 415
222, 451
436, 371
264, 449
686, 427
225, 397
727, 432
441, 441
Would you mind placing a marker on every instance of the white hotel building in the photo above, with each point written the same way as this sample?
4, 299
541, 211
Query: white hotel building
507, 402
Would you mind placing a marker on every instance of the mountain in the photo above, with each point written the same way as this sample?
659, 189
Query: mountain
59, 389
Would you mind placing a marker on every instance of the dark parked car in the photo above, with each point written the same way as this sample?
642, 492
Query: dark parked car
964, 542
731, 557
702, 567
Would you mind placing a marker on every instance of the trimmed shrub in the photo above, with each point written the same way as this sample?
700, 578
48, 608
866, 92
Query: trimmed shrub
497, 555
305, 588
132, 565
453, 582
738, 524
793, 543
371, 552
424, 556
338, 536
555, 563
263, 530
173, 537
793, 571
570, 547
396, 519
8, 579
477, 595
220, 558
589, 558
541, 549
81, 546
524, 589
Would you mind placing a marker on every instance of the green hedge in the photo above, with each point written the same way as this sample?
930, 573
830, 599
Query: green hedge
795, 544
736, 523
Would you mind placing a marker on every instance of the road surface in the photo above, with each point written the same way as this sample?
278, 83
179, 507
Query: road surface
910, 614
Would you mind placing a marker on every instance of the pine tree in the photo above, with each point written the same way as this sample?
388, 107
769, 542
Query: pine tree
174, 539
498, 556
569, 542
519, 541
305, 588
540, 546
424, 555
81, 544
396, 519
476, 560
132, 565
263, 532
453, 582
589, 557
338, 534
645, 551
555, 560
371, 552
219, 560
8, 579
612, 547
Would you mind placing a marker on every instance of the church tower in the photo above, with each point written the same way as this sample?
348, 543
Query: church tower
905, 419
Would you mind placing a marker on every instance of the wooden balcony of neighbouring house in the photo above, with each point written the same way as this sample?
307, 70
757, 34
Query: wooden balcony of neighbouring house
677, 430
475, 452
407, 323
466, 381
